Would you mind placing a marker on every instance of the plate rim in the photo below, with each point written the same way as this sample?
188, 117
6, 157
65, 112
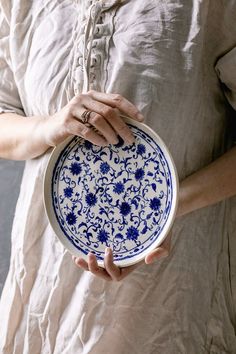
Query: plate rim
49, 207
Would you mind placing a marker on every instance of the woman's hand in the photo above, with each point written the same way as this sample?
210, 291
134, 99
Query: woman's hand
104, 122
23, 138
111, 271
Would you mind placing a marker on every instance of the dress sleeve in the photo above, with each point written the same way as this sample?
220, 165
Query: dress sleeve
9, 95
226, 71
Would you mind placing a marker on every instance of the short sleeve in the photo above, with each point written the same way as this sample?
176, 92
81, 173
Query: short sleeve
226, 71
9, 96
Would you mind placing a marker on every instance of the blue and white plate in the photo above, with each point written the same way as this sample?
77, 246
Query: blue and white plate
121, 196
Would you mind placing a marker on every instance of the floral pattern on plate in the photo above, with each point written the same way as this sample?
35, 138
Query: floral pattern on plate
118, 196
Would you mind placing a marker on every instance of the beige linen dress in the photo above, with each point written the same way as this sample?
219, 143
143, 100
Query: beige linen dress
176, 60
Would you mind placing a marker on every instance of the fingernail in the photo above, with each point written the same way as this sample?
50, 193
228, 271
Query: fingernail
140, 117
131, 140
107, 251
77, 261
115, 141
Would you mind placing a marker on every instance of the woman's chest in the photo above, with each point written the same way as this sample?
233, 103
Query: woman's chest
159, 40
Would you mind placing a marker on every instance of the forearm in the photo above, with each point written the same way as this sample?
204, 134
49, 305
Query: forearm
209, 185
21, 138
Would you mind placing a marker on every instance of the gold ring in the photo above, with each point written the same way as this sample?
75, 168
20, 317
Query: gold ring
85, 116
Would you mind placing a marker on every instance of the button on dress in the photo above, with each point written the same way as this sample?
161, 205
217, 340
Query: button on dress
175, 60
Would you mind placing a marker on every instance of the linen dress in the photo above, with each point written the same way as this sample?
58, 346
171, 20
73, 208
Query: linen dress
176, 61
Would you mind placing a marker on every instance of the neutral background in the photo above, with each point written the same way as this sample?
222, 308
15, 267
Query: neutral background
10, 177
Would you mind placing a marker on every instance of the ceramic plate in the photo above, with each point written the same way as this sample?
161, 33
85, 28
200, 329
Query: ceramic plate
121, 196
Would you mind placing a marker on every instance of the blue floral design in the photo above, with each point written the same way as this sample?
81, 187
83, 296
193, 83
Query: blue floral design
141, 149
155, 203
106, 195
119, 188
71, 218
103, 236
68, 192
132, 233
104, 167
75, 168
91, 199
139, 174
125, 208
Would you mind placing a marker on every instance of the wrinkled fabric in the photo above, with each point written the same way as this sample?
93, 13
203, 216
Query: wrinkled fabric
176, 61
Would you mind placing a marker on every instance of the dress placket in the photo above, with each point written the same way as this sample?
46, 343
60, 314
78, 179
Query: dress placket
92, 45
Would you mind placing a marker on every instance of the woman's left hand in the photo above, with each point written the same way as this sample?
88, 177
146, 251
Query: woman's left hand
111, 271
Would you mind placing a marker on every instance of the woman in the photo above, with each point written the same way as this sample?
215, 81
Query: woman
167, 58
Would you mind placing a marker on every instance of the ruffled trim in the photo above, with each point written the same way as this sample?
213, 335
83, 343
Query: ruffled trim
90, 37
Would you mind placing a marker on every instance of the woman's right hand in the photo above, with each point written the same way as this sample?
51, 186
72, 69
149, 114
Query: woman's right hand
104, 124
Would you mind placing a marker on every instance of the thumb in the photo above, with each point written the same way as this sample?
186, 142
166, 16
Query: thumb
158, 253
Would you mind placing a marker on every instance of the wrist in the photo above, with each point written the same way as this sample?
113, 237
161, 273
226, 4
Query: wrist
191, 197
37, 144
42, 131
183, 201
53, 131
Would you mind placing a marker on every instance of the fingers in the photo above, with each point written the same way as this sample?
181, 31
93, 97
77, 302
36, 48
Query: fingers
117, 101
116, 273
110, 272
105, 116
107, 120
80, 262
103, 127
95, 120
80, 129
160, 252
91, 266
112, 269
95, 269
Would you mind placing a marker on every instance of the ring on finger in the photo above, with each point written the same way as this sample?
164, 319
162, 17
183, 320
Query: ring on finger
85, 116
